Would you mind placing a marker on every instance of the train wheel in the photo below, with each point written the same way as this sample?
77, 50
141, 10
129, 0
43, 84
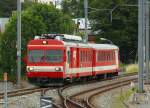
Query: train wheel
84, 79
68, 80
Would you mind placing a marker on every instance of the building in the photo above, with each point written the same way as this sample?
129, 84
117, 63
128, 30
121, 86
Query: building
81, 22
80, 25
3, 22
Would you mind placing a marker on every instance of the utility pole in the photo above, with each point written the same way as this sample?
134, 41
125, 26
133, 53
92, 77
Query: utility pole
86, 20
18, 42
147, 42
5, 91
141, 35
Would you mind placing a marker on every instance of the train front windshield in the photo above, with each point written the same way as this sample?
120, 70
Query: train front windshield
49, 56
53, 56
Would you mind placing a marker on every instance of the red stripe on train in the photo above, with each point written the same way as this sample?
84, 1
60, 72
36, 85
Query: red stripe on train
46, 74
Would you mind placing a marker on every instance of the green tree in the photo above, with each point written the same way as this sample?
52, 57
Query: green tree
36, 20
74, 7
6, 7
54, 19
31, 25
122, 30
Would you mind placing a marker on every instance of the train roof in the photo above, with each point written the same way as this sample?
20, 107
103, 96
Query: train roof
55, 42
103, 46
63, 37
71, 44
68, 40
94, 46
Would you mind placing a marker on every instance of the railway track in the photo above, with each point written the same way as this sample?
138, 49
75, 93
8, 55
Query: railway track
74, 101
68, 101
21, 92
102, 89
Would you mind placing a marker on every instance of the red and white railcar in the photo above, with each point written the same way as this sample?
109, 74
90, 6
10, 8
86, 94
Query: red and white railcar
55, 60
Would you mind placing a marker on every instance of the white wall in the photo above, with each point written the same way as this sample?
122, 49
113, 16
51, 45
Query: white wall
3, 22
82, 23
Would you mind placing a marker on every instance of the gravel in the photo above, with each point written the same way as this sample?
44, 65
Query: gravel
11, 86
142, 99
106, 100
29, 101
79, 88
33, 100
20, 101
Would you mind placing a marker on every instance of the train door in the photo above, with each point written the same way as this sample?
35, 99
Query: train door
89, 61
117, 58
67, 62
93, 62
74, 61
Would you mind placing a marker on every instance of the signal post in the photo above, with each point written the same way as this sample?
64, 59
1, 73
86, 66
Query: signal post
5, 90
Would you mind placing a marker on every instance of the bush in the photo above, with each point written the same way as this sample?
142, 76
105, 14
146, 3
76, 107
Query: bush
131, 68
36, 20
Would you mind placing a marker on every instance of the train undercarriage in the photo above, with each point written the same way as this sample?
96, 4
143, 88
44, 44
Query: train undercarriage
44, 81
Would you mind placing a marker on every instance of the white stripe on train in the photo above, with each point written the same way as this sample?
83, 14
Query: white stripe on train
71, 70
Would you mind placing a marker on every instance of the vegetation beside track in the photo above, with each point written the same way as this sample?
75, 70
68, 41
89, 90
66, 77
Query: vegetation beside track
131, 68
118, 101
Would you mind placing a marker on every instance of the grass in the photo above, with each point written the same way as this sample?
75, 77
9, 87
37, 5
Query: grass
120, 99
131, 68
1, 76
122, 66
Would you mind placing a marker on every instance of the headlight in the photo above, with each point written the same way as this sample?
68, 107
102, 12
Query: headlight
58, 69
45, 42
30, 69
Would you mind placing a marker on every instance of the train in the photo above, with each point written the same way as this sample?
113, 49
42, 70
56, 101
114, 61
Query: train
53, 59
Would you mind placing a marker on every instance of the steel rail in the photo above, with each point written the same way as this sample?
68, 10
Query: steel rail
107, 88
67, 100
21, 92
